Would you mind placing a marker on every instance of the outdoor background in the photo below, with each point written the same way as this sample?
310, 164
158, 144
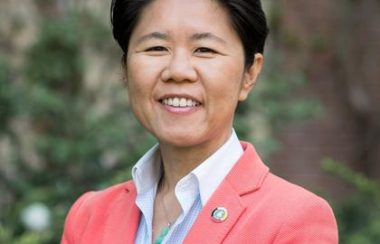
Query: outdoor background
66, 128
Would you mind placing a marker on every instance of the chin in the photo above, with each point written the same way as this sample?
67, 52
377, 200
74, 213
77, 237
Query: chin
179, 141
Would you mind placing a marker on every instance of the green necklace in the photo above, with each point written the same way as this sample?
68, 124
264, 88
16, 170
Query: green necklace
164, 232
162, 235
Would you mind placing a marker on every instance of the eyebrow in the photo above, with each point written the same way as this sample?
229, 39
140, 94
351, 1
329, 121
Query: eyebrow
194, 37
153, 35
207, 35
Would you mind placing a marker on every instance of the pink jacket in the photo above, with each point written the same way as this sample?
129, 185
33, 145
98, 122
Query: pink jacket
262, 208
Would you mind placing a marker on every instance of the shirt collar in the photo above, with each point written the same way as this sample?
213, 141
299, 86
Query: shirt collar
213, 170
147, 170
209, 173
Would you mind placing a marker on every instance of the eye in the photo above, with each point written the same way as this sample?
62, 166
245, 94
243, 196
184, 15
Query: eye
156, 49
205, 50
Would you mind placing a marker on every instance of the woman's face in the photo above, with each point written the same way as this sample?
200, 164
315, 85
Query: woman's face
185, 72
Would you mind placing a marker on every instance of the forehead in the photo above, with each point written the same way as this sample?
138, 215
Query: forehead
170, 6
201, 16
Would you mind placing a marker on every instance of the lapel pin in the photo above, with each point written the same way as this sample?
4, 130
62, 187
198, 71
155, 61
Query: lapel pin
219, 214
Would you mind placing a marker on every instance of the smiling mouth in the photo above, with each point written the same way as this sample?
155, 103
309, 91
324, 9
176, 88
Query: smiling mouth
180, 102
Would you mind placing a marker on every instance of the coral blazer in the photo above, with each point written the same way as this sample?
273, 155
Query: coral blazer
262, 208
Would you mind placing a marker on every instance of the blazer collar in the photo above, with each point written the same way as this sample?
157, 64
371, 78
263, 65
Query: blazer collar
132, 214
245, 177
249, 172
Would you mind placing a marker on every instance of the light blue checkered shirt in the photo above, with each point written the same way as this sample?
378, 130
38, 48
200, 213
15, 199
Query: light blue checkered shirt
192, 191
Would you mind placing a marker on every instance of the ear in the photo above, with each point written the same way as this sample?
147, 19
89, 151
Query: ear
125, 76
250, 76
125, 81
124, 69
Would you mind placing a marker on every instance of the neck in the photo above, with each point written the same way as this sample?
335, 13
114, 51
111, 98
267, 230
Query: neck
180, 161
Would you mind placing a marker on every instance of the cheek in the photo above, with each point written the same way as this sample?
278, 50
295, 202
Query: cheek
136, 91
143, 72
226, 83
137, 80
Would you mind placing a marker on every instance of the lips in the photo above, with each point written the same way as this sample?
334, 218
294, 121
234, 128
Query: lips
179, 102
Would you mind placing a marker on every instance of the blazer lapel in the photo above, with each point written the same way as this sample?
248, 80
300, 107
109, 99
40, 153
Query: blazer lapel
125, 218
206, 229
133, 213
245, 177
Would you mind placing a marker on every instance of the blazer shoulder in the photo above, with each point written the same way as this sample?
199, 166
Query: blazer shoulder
92, 199
289, 193
88, 204
307, 217
287, 199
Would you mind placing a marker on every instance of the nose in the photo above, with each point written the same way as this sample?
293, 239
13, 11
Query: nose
180, 69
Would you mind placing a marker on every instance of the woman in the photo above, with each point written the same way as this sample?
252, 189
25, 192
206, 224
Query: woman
187, 66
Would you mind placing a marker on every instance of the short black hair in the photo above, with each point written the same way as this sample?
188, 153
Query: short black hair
247, 18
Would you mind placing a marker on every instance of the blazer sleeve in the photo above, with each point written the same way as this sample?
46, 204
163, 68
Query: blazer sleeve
313, 223
76, 219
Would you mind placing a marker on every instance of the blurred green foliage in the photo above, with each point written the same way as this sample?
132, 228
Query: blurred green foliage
6, 93
76, 147
359, 216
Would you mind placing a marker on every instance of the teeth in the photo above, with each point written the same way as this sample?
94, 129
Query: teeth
179, 102
175, 102
190, 103
182, 102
